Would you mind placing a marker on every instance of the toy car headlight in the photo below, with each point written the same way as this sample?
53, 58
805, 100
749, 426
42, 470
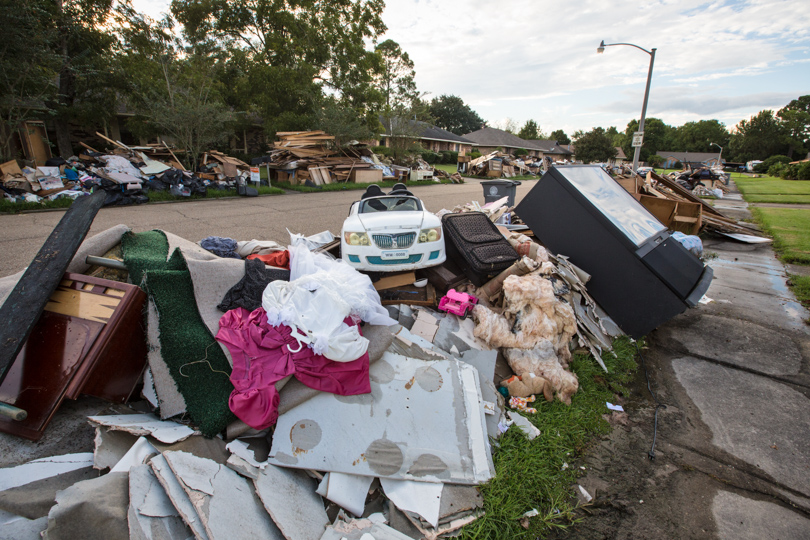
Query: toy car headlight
430, 235
356, 238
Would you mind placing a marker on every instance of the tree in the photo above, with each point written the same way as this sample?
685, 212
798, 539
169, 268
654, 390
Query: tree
508, 125
795, 117
560, 136
531, 131
452, 114
28, 67
656, 138
594, 146
341, 122
758, 138
698, 137
396, 77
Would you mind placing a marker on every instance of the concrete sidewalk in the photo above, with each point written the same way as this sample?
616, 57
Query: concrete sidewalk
733, 443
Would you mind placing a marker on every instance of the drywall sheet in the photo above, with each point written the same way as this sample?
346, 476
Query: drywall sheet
145, 424
226, 503
422, 421
348, 491
362, 529
38, 469
178, 496
151, 515
290, 499
91, 510
423, 498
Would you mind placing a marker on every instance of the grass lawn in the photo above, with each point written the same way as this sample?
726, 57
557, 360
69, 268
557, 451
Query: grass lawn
531, 474
449, 168
768, 189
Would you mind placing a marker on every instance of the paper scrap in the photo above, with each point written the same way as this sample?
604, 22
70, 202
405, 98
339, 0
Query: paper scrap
613, 407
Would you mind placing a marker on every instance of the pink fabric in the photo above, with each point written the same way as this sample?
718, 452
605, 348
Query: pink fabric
263, 355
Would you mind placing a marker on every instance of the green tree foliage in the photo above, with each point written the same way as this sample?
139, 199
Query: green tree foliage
396, 76
28, 66
657, 136
174, 90
531, 131
560, 136
452, 114
342, 122
758, 138
795, 118
768, 163
699, 136
594, 146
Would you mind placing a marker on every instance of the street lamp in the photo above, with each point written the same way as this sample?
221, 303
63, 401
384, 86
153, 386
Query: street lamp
600, 50
720, 160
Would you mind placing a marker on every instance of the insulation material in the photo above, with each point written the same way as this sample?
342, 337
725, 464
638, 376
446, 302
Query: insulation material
532, 314
542, 361
38, 469
145, 424
422, 421
290, 499
180, 499
151, 514
348, 491
91, 510
222, 499
423, 498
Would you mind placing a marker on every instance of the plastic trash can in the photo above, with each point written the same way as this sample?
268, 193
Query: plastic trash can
498, 189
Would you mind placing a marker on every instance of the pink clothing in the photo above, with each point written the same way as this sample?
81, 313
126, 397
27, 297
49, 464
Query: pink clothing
264, 354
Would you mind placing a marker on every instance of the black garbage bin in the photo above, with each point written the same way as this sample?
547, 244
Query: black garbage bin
498, 189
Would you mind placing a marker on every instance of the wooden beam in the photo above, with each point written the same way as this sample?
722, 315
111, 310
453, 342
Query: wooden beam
172, 153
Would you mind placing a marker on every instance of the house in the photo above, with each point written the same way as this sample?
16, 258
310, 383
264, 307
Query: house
491, 139
620, 158
694, 160
429, 136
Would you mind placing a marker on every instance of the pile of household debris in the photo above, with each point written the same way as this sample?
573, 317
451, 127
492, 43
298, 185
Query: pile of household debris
499, 164
280, 398
125, 173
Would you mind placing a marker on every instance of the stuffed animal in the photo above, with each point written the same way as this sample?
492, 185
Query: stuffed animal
528, 384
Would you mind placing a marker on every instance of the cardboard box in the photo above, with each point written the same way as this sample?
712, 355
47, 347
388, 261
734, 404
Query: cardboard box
395, 280
366, 176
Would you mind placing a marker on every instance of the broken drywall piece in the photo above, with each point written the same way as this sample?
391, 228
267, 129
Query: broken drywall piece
146, 424
148, 392
484, 362
456, 334
38, 469
178, 496
242, 467
404, 345
425, 326
110, 447
422, 421
348, 491
93, 509
243, 450
13, 527
222, 499
423, 498
151, 514
289, 497
361, 529
523, 423
139, 454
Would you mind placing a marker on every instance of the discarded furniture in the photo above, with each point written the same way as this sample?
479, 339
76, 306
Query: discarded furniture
676, 215
89, 340
640, 276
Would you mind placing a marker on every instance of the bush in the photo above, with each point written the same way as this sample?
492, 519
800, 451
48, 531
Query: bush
382, 151
521, 152
655, 160
449, 157
677, 165
475, 155
790, 172
765, 166
804, 171
775, 170
430, 156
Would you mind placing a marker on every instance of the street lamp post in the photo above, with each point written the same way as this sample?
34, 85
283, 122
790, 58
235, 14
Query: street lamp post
720, 160
600, 50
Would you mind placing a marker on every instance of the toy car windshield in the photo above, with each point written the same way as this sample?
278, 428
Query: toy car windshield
389, 204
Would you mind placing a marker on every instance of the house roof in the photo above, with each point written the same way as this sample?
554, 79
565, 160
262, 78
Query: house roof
496, 137
690, 157
425, 131
620, 153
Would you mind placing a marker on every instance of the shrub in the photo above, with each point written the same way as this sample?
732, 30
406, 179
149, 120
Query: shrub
790, 172
382, 151
765, 166
775, 170
521, 152
677, 165
430, 156
655, 160
449, 156
475, 155
803, 171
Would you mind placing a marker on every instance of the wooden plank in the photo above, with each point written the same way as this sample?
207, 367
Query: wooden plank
88, 147
116, 143
685, 193
27, 300
172, 153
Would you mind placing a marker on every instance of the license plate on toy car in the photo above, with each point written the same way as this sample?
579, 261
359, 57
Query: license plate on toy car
394, 255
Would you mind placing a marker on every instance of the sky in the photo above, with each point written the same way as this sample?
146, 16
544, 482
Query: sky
536, 59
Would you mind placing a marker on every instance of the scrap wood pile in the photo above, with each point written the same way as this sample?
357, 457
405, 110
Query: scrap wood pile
125, 173
300, 157
497, 165
330, 416
680, 208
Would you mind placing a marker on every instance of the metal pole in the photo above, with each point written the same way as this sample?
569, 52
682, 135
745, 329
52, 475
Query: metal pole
644, 108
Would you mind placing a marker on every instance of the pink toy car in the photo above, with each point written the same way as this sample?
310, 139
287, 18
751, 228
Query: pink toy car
457, 303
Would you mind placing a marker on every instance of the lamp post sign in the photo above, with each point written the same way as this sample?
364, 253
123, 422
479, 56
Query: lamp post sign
638, 139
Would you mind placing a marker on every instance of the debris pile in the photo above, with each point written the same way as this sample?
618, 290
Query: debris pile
497, 165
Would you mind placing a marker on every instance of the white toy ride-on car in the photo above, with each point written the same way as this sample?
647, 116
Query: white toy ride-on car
391, 232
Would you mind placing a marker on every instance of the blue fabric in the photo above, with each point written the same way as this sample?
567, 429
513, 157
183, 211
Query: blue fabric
224, 247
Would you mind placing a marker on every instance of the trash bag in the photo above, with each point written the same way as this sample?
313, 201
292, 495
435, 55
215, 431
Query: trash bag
180, 190
690, 242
